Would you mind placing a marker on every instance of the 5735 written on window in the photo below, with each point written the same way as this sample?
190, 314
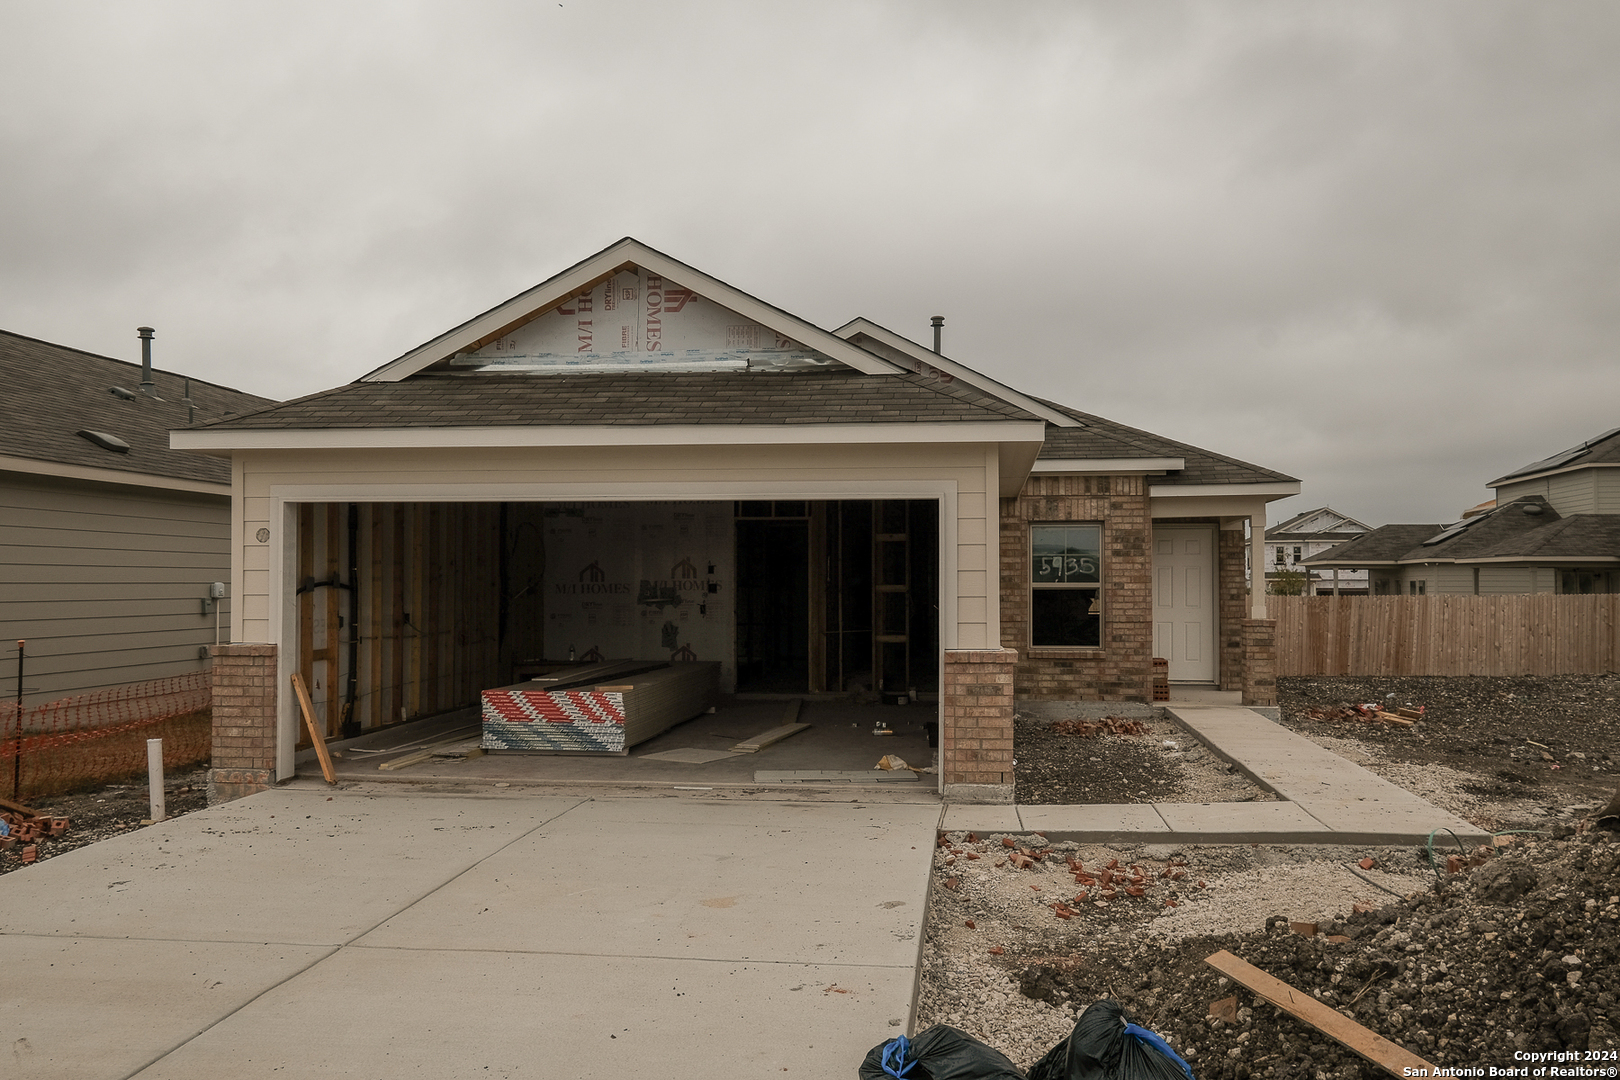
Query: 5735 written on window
1065, 585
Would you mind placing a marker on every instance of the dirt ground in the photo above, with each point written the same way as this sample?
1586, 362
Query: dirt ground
1506, 951
107, 811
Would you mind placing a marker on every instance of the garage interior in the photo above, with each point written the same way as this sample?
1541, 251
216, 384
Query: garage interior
408, 611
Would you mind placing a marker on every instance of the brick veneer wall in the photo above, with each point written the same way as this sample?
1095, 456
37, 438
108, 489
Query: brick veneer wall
244, 734
1233, 586
976, 725
1122, 669
1259, 661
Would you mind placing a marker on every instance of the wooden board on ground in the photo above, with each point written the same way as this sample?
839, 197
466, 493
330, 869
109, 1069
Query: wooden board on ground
764, 739
315, 734
450, 748
786, 729
1398, 1060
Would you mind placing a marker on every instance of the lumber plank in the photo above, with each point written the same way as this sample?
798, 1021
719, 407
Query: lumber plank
1375, 1048
764, 739
314, 732
409, 759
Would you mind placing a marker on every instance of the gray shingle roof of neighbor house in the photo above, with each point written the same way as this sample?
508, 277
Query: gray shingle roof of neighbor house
1103, 438
1384, 545
433, 400
53, 392
1526, 528
1604, 449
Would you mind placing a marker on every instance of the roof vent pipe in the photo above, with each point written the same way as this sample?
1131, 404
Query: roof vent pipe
939, 326
146, 332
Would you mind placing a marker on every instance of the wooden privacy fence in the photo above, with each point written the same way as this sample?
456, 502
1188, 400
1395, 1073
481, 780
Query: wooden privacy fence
1541, 634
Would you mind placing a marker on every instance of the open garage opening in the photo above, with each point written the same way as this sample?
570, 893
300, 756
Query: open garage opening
404, 610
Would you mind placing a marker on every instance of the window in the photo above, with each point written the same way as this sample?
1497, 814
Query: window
1418, 588
1065, 585
1282, 557
1297, 554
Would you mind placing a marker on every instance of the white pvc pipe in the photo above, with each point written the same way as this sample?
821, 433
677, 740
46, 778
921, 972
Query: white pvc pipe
154, 777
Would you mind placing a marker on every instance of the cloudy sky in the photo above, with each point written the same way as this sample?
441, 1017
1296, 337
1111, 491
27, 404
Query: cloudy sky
1371, 244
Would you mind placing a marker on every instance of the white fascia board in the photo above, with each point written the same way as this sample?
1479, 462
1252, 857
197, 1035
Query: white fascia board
1270, 492
1004, 431
1521, 560
951, 367
626, 252
110, 476
1504, 481
1110, 465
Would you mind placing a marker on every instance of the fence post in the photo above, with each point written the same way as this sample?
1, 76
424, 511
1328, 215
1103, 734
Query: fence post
16, 747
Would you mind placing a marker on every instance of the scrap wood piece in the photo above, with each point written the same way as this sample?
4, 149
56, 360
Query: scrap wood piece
315, 735
1397, 1060
786, 729
16, 808
442, 748
415, 758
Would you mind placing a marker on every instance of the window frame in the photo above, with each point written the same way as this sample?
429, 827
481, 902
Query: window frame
1093, 588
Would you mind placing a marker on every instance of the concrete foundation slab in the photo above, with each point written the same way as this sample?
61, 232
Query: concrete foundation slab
1240, 823
982, 819
300, 933
277, 866
456, 1015
1096, 824
729, 889
70, 1003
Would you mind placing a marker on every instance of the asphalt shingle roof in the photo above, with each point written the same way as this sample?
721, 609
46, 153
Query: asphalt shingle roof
53, 392
1102, 438
1507, 532
435, 400
1385, 544
1602, 450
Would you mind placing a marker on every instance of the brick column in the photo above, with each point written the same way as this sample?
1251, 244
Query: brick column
1259, 661
244, 754
976, 725
1232, 575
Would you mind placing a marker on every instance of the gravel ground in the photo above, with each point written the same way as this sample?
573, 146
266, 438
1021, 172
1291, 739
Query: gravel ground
1516, 952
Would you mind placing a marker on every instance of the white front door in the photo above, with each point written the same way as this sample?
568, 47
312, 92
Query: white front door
1184, 613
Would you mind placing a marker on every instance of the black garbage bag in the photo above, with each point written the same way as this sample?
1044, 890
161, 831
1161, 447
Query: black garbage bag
1105, 1046
937, 1053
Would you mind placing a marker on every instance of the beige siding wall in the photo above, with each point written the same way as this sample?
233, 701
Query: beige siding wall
105, 582
1606, 488
1584, 491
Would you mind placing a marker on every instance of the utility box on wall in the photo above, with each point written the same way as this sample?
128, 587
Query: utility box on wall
641, 580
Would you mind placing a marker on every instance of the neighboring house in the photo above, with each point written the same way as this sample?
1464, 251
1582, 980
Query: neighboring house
1305, 535
636, 459
1554, 528
109, 539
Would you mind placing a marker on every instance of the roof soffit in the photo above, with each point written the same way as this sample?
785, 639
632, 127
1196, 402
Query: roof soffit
584, 277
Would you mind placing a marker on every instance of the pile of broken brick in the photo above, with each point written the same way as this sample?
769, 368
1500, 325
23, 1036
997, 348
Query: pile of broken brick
1372, 712
21, 828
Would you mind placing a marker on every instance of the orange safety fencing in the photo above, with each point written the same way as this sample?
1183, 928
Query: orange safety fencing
92, 739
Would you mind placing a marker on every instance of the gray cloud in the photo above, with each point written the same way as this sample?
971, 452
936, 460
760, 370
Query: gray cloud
1370, 245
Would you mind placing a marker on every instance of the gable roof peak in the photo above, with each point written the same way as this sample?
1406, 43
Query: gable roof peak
632, 322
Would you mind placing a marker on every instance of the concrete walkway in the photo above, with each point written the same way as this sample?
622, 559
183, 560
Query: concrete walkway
390, 933
1322, 799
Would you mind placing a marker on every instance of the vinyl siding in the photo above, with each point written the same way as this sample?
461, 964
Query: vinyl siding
105, 582
1606, 491
1584, 491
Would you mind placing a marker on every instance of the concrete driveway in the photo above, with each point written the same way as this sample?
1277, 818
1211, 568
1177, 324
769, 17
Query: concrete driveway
388, 932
